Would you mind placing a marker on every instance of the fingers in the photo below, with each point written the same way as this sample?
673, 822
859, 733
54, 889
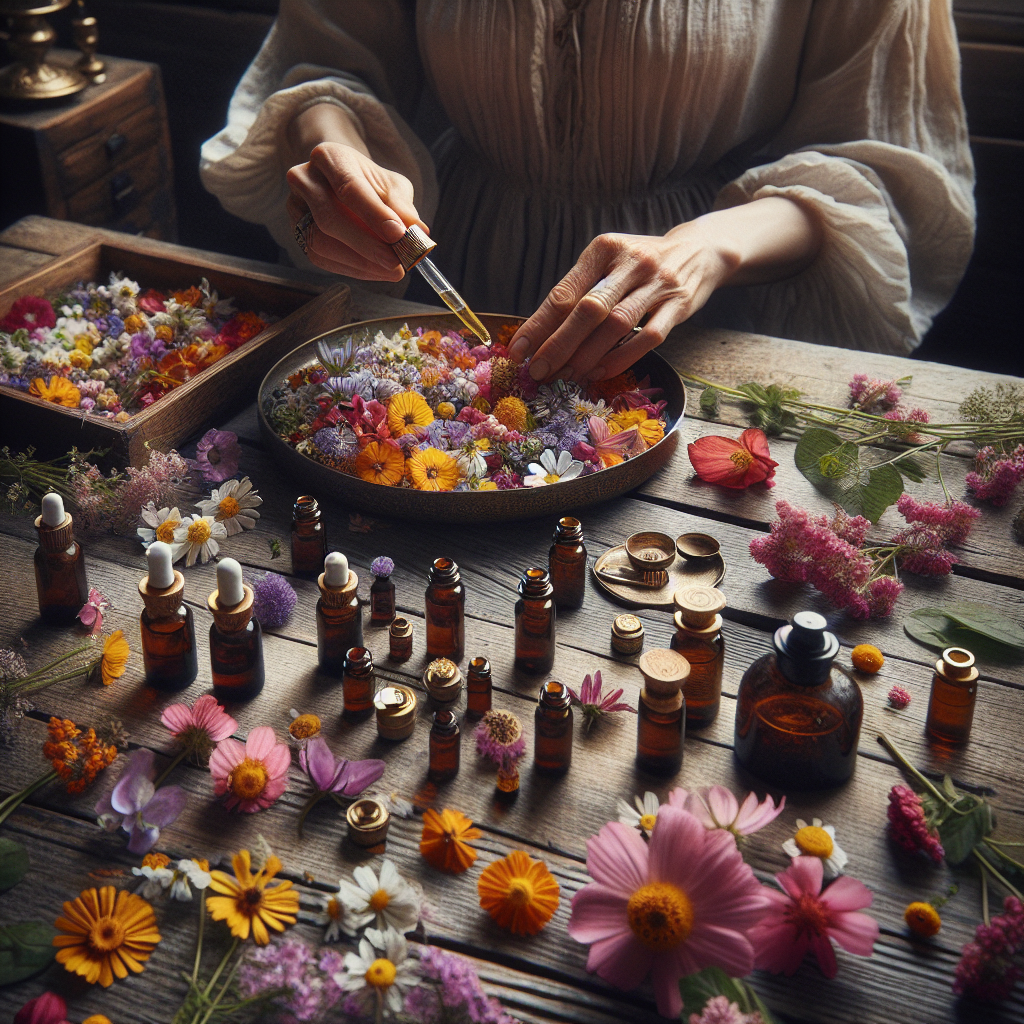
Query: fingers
650, 336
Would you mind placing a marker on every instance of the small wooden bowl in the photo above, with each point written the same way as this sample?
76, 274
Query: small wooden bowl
697, 547
650, 550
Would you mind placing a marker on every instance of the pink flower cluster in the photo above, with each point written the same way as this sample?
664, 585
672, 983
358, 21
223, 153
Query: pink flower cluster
308, 979
991, 965
871, 395
908, 825
458, 989
996, 474
930, 528
718, 1010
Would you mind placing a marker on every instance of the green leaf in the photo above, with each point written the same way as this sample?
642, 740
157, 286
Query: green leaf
13, 863
709, 402
697, 989
913, 468
832, 465
26, 948
961, 833
936, 627
986, 620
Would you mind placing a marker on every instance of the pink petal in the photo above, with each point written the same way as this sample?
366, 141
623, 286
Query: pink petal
597, 913
779, 947
278, 760
696, 806
87, 616
274, 788
826, 955
587, 690
177, 717
225, 757
665, 979
676, 848
856, 933
803, 875
208, 714
711, 945
722, 805
617, 858
678, 797
847, 893
620, 959
762, 814
260, 742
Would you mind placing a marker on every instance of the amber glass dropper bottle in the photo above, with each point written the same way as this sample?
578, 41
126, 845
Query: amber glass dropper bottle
236, 640
661, 713
166, 624
60, 564
339, 619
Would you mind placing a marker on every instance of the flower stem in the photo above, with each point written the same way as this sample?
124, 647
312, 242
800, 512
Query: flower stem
15, 800
309, 805
1009, 885
1005, 856
896, 753
938, 468
176, 760
223, 989
55, 663
42, 684
199, 938
220, 968
984, 893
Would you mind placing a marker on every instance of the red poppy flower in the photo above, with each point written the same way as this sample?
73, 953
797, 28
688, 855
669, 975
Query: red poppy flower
737, 464
30, 312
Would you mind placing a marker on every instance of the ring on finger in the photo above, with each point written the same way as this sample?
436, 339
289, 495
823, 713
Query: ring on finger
628, 336
301, 231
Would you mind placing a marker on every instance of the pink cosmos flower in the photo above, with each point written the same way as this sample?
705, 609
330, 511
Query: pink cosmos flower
802, 917
199, 727
670, 907
91, 614
610, 448
717, 808
253, 774
593, 704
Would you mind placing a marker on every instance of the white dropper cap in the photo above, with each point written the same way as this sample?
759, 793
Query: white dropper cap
229, 583
53, 509
335, 570
161, 575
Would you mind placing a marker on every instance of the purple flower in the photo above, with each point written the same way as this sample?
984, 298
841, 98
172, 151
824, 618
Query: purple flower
459, 987
382, 566
593, 705
332, 775
138, 807
145, 347
499, 738
273, 599
218, 455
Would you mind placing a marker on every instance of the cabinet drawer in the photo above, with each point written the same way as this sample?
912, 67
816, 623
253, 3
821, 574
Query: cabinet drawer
103, 118
118, 192
101, 152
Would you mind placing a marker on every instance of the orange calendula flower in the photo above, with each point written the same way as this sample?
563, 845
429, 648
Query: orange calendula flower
519, 893
77, 757
922, 919
247, 902
445, 841
430, 343
305, 727
164, 333
433, 470
105, 933
60, 391
115, 657
179, 364
190, 297
406, 410
156, 860
134, 323
381, 463
867, 658
511, 412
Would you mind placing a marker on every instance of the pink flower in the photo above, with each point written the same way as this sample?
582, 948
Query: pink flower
870, 395
990, 966
899, 697
591, 702
199, 727
91, 614
253, 774
610, 448
952, 521
802, 917
995, 475
670, 907
909, 826
45, 1009
718, 1010
217, 455
30, 312
717, 808
737, 464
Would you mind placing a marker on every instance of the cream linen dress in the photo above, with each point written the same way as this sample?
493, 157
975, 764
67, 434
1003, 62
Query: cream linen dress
576, 117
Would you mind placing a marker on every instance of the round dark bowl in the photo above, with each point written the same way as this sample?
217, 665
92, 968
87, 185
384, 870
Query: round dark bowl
467, 506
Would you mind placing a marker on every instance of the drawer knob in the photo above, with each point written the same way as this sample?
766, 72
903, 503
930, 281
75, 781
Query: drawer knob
123, 193
115, 144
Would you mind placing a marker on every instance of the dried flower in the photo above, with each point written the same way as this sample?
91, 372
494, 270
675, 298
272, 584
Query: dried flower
922, 919
330, 774
196, 538
234, 504
736, 464
379, 975
28, 313
899, 698
432, 470
136, 806
217, 455
304, 727
382, 567
59, 391
644, 816
552, 468
459, 988
273, 599
76, 757
247, 902
718, 1010
716, 808
381, 462
499, 738
252, 775
591, 702
511, 412
445, 842
990, 966
908, 824
91, 613
996, 474
114, 660
199, 727
870, 395
519, 892
408, 410
867, 658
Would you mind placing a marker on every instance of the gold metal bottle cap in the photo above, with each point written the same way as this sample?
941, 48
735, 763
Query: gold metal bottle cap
413, 246
699, 608
957, 663
400, 628
664, 671
627, 634
396, 712
443, 680
368, 822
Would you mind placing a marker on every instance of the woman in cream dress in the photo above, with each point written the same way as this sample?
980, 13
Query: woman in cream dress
613, 160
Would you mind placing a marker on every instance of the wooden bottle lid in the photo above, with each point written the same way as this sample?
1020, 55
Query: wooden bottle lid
162, 604
413, 246
664, 671
337, 597
699, 608
231, 620
56, 538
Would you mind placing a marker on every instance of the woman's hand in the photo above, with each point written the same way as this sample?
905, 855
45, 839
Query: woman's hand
618, 279
359, 208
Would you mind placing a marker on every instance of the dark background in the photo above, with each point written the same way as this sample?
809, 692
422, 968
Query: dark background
204, 46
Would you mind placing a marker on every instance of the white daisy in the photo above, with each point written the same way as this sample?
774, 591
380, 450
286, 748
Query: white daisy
160, 525
186, 874
817, 840
157, 881
380, 972
643, 816
390, 902
234, 504
213, 306
471, 464
197, 538
552, 468
331, 917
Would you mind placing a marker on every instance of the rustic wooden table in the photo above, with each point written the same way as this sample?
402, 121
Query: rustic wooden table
543, 979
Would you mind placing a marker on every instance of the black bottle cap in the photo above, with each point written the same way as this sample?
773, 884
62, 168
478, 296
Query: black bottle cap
806, 649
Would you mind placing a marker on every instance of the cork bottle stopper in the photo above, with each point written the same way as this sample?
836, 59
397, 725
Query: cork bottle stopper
957, 663
163, 588
337, 582
412, 247
54, 525
231, 602
664, 671
698, 608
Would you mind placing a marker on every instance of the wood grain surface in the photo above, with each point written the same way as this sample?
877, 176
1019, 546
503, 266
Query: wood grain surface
543, 979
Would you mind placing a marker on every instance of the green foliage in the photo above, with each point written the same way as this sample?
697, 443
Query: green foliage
26, 948
765, 409
13, 863
961, 826
833, 466
979, 627
697, 989
709, 403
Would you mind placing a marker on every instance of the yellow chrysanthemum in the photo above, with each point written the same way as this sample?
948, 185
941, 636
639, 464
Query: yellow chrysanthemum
106, 933
519, 893
406, 410
445, 410
134, 323
247, 902
432, 470
80, 359
115, 657
380, 463
511, 412
60, 391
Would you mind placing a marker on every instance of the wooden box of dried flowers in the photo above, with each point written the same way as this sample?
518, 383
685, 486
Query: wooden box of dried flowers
142, 343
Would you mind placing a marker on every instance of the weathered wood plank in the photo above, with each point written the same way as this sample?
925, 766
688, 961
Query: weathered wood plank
15, 263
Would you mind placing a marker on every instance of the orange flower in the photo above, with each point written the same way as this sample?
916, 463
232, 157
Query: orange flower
506, 333
134, 323
164, 333
206, 354
60, 391
608, 389
380, 463
651, 431
76, 761
179, 364
511, 412
189, 297
445, 841
430, 343
406, 410
867, 658
519, 893
433, 470
115, 657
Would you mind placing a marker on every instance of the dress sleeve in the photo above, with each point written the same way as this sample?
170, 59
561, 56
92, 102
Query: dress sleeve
876, 142
355, 54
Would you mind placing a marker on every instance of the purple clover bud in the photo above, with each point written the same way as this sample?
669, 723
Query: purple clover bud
382, 566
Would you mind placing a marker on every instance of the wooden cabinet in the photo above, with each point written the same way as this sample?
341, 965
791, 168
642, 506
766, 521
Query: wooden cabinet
104, 158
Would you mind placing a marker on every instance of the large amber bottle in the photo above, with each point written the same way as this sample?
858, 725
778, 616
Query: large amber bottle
552, 750
535, 623
60, 564
661, 712
798, 715
567, 563
309, 538
339, 619
166, 624
698, 638
445, 611
236, 640
951, 703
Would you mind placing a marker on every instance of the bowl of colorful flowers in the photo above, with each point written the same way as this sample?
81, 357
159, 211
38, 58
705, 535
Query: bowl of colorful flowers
411, 417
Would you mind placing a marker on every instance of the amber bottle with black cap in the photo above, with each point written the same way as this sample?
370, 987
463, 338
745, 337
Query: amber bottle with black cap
59, 563
535, 623
553, 720
798, 715
309, 538
445, 611
567, 563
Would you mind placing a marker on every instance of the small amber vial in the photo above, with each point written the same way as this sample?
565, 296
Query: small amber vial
236, 640
478, 688
382, 591
444, 747
567, 564
357, 684
951, 704
166, 625
309, 539
59, 563
339, 619
552, 750
661, 712
698, 638
535, 623
445, 611
400, 640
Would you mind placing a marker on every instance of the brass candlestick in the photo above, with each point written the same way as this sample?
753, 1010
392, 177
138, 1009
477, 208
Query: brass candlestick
29, 39
87, 39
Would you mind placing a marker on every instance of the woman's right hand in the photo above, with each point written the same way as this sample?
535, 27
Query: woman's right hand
359, 209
